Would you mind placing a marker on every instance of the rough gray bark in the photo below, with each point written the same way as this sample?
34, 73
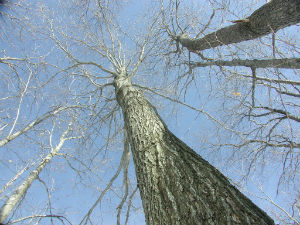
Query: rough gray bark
176, 185
269, 18
287, 63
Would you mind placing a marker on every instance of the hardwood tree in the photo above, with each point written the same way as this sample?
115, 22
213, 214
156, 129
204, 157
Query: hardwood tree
99, 68
177, 186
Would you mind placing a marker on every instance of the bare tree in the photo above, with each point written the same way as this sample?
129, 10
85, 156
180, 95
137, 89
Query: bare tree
177, 186
167, 170
98, 66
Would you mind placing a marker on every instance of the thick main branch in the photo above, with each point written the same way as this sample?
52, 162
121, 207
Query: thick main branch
269, 18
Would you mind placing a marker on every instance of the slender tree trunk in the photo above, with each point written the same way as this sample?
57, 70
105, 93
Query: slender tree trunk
14, 199
269, 18
176, 185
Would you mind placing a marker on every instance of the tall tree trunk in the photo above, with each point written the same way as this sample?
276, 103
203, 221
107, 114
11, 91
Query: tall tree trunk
269, 18
176, 185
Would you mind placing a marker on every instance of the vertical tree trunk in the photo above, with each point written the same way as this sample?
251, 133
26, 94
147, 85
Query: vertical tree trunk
176, 185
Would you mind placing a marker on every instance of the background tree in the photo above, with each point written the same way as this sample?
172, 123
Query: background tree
80, 47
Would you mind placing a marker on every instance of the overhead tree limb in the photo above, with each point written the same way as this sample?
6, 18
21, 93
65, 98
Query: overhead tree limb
286, 63
280, 111
33, 123
269, 18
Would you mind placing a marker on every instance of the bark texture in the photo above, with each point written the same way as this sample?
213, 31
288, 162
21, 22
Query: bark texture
287, 63
269, 18
176, 185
